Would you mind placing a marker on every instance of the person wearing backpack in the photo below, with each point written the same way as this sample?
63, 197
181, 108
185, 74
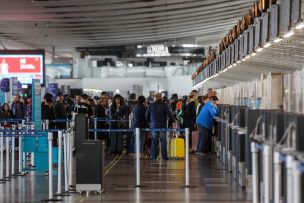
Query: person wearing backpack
139, 121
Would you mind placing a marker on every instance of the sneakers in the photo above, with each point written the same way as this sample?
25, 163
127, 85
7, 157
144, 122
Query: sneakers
200, 154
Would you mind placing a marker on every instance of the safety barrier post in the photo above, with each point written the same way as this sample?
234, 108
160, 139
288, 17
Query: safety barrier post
187, 158
13, 150
267, 154
65, 162
137, 144
59, 161
7, 157
277, 177
297, 183
255, 173
95, 128
67, 124
21, 147
50, 152
32, 154
1, 155
289, 172
70, 153
47, 124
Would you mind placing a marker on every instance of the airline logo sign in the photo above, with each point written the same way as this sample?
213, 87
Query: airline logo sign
157, 50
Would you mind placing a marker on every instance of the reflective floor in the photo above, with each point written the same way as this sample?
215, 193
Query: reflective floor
163, 181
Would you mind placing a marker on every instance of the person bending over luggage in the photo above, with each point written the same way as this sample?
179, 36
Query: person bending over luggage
157, 114
205, 124
139, 121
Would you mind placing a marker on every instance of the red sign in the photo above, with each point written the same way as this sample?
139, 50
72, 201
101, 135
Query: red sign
19, 64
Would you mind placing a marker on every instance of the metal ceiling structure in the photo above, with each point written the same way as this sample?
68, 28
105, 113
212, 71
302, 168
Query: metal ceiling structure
80, 23
285, 56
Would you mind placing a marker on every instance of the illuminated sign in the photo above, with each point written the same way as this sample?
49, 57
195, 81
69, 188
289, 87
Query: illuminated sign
157, 50
25, 65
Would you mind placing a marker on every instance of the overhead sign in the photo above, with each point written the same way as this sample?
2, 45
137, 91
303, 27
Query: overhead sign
158, 50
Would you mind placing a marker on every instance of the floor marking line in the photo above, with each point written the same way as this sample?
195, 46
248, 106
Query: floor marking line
108, 170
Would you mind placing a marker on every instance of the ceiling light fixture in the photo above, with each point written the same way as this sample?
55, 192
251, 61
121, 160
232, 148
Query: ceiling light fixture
253, 54
238, 61
277, 40
247, 57
289, 34
234, 64
225, 70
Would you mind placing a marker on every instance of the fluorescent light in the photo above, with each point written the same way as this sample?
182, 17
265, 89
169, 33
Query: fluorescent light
216, 75
247, 57
268, 44
259, 49
139, 46
300, 26
289, 34
244, 59
190, 45
238, 61
234, 64
226, 69
253, 54
277, 40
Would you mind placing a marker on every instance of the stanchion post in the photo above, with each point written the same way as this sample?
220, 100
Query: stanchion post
70, 159
255, 173
50, 139
66, 182
1, 155
289, 172
277, 177
13, 150
95, 128
297, 183
21, 147
267, 154
137, 144
67, 124
59, 161
7, 156
187, 158
47, 124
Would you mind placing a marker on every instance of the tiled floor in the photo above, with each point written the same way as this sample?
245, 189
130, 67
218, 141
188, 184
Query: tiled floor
164, 181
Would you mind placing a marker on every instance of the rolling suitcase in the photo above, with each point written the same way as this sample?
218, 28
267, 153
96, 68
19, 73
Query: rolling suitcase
177, 148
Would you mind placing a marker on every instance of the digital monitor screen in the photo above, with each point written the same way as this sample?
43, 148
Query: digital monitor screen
24, 64
62, 71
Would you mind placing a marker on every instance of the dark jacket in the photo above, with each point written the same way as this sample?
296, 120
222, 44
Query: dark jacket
18, 109
60, 110
139, 116
157, 114
190, 115
100, 112
48, 112
6, 114
119, 114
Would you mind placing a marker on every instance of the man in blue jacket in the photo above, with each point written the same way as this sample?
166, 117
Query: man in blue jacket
157, 115
205, 124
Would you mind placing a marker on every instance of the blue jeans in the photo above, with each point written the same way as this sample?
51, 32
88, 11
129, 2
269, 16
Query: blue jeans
142, 142
203, 136
163, 141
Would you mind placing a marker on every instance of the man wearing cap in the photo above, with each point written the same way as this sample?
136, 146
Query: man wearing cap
157, 115
205, 124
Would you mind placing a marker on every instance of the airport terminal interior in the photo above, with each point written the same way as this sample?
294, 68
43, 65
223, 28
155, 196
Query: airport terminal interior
152, 101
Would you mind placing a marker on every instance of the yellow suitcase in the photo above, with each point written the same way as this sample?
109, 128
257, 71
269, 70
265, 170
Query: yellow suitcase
177, 148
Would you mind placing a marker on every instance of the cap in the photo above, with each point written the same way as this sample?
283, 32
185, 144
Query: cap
158, 96
96, 97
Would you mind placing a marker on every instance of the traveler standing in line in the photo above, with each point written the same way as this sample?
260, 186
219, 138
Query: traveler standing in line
190, 114
202, 100
139, 121
100, 112
6, 112
18, 107
129, 108
157, 114
117, 112
205, 124
60, 111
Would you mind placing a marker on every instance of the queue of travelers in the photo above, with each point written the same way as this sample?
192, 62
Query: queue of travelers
193, 111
